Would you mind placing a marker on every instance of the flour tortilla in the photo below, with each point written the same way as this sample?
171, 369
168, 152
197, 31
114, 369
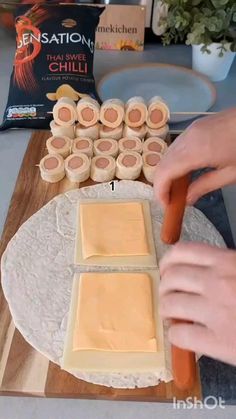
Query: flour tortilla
37, 272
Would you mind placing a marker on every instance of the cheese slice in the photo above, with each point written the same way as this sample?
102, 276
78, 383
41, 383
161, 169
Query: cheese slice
114, 361
115, 312
113, 229
116, 233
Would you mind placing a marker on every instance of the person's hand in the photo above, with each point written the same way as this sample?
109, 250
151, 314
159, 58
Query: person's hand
198, 284
208, 142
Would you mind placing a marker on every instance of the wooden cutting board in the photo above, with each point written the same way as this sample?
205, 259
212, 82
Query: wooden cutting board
23, 370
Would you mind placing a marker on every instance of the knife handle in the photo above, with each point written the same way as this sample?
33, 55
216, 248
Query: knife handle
174, 212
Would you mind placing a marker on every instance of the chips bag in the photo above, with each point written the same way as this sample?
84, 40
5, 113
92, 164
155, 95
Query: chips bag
54, 58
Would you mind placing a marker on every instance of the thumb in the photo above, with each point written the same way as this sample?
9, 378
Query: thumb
210, 182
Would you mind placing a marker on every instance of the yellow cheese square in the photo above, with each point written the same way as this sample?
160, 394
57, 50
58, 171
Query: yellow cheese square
115, 313
113, 229
112, 361
115, 233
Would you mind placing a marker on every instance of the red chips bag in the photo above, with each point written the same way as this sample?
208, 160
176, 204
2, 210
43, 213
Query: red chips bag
54, 56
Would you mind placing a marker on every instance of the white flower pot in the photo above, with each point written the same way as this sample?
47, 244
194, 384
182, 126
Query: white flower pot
215, 67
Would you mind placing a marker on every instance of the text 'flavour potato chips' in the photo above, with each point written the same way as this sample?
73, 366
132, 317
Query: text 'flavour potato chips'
54, 58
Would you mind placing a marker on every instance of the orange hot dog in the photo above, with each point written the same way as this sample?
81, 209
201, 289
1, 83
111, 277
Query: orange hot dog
173, 217
183, 361
183, 366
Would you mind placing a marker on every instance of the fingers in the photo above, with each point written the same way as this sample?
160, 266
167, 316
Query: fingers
185, 278
200, 145
210, 182
193, 337
198, 288
200, 339
169, 169
191, 254
162, 187
182, 306
182, 157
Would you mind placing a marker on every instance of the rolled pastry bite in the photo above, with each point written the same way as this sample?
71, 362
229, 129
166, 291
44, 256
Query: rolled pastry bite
87, 132
88, 111
128, 165
155, 144
59, 145
158, 113
112, 113
159, 132
130, 144
60, 130
83, 145
103, 168
65, 112
150, 161
77, 167
139, 132
114, 133
106, 147
135, 112
52, 168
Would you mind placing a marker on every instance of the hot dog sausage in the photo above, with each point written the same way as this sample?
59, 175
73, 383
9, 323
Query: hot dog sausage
174, 212
183, 361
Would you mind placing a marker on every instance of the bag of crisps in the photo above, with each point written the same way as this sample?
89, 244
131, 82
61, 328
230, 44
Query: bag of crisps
54, 58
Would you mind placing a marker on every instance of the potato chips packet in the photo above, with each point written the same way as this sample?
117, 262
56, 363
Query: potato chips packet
54, 58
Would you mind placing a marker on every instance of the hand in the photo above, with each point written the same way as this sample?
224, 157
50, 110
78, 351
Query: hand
208, 142
198, 284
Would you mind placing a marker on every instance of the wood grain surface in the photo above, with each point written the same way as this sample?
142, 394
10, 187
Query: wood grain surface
23, 370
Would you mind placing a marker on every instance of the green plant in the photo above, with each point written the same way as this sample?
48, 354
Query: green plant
201, 22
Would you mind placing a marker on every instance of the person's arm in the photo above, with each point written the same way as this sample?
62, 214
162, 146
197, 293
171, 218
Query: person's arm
198, 284
208, 142
198, 281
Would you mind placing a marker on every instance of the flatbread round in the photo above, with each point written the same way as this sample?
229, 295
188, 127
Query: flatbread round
37, 272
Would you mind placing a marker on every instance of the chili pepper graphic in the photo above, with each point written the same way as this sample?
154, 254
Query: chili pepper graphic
26, 54
23, 20
30, 51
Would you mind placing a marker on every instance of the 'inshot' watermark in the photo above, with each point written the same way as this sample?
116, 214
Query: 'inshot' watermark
210, 402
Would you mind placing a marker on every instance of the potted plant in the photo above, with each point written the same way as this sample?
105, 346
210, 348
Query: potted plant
209, 26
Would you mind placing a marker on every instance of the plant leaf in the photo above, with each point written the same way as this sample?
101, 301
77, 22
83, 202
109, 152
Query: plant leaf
219, 3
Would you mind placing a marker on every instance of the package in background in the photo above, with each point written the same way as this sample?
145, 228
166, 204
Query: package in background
54, 58
121, 27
